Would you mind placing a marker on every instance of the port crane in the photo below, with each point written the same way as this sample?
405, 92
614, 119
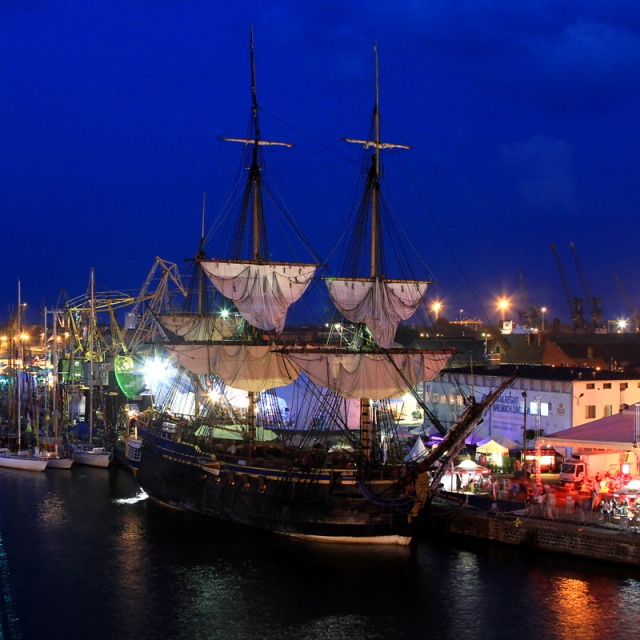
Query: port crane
632, 310
595, 310
530, 316
575, 304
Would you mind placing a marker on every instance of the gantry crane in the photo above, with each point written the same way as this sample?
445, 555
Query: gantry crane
575, 304
632, 310
595, 309
530, 316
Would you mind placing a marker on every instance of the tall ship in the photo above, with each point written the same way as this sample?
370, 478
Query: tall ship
332, 466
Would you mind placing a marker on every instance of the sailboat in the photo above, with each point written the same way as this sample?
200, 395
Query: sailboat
88, 454
322, 480
57, 454
20, 459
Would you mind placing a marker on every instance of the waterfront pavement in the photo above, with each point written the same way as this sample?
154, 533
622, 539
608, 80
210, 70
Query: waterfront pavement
563, 504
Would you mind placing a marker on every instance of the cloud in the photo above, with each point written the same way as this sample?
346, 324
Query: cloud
542, 167
591, 53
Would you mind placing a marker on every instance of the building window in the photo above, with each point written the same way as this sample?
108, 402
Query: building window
460, 400
435, 398
607, 410
606, 385
590, 411
624, 385
591, 385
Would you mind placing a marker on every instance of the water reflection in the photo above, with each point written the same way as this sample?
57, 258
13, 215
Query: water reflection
130, 569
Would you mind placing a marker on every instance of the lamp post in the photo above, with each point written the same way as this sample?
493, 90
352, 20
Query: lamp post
436, 309
486, 337
543, 310
524, 430
461, 310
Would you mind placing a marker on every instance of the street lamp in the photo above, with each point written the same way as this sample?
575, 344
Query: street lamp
503, 304
461, 310
524, 431
436, 309
543, 310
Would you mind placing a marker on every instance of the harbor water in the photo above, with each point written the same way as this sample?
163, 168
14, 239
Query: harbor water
83, 554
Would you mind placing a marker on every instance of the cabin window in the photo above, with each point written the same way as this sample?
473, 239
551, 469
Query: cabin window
435, 397
606, 385
459, 400
590, 411
452, 398
607, 410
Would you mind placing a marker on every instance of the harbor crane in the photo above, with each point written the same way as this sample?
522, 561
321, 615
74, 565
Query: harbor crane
530, 316
575, 304
632, 309
595, 309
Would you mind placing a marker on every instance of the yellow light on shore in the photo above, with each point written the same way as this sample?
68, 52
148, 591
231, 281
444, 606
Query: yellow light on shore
503, 305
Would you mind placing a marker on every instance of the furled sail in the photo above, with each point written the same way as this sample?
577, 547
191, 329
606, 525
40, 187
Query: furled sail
196, 326
377, 302
241, 366
262, 292
369, 375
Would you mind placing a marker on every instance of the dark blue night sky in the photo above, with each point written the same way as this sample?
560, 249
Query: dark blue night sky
523, 118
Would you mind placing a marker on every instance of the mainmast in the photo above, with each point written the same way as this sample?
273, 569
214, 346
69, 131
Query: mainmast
374, 174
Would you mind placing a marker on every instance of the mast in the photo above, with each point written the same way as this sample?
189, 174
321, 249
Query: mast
92, 318
375, 185
254, 173
19, 367
374, 172
54, 403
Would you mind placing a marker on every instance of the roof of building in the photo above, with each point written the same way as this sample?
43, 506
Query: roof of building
543, 372
539, 350
618, 431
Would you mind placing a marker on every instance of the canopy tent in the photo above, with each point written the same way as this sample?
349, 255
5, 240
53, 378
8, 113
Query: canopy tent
492, 446
475, 439
613, 433
632, 489
471, 467
418, 451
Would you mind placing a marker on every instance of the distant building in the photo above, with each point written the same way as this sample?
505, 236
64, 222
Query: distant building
546, 399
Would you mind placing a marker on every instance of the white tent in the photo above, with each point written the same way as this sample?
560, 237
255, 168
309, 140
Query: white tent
418, 452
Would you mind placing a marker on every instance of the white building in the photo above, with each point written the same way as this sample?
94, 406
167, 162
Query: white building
555, 398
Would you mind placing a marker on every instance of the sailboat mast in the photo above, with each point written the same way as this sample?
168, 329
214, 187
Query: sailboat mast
54, 402
92, 319
19, 367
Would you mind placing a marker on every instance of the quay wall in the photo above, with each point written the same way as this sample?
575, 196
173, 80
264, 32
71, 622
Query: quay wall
581, 540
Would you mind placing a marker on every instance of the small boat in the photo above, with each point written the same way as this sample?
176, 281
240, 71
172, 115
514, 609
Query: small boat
134, 438
56, 461
21, 460
91, 457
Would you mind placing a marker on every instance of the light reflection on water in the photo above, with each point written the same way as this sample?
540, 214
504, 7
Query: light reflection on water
90, 542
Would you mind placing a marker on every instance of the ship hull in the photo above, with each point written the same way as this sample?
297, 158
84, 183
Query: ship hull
327, 506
